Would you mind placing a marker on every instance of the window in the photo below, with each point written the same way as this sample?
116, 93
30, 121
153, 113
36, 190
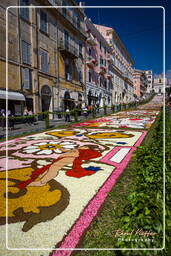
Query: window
89, 76
89, 52
78, 22
26, 52
24, 12
68, 72
80, 49
105, 84
27, 83
43, 22
44, 61
66, 36
100, 45
101, 82
105, 50
104, 62
80, 76
101, 60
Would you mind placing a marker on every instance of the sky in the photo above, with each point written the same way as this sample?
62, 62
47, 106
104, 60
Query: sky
140, 29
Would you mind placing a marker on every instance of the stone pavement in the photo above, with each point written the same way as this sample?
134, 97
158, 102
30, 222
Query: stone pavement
70, 173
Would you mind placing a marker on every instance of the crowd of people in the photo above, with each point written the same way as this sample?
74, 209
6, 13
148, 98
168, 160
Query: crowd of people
29, 119
85, 111
10, 121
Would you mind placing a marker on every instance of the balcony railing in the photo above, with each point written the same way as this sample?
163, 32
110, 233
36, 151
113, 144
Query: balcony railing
110, 59
91, 40
91, 62
68, 48
102, 69
68, 14
109, 74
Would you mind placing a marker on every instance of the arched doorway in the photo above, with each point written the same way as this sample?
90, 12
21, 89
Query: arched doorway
89, 98
68, 102
100, 100
46, 95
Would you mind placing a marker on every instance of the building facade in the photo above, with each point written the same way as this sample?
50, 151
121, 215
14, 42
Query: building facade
97, 69
140, 83
45, 55
149, 75
121, 67
160, 82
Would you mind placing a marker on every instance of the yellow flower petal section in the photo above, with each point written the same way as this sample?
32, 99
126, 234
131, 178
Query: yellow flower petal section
62, 133
34, 198
109, 135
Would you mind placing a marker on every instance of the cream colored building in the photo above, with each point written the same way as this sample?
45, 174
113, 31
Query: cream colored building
46, 51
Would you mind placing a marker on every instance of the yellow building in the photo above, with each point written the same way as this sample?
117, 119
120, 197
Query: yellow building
45, 55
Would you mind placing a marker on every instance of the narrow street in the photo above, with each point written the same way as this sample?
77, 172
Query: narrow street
59, 179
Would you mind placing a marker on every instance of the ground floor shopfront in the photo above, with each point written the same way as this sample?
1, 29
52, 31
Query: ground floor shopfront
97, 96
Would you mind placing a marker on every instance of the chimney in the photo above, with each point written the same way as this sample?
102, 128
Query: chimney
82, 4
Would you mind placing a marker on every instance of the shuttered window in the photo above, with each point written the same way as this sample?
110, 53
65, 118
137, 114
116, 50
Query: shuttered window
24, 12
80, 76
27, 81
44, 61
26, 52
43, 21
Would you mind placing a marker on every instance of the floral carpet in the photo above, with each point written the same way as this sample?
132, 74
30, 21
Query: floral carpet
59, 179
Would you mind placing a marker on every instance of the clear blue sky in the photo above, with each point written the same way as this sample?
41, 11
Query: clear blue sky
141, 30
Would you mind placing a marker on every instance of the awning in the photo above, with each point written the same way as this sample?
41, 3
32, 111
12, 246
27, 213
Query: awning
12, 95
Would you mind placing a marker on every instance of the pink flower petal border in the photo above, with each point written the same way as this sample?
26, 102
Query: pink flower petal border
76, 232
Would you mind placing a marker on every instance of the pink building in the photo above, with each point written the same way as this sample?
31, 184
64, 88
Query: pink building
140, 83
121, 66
98, 64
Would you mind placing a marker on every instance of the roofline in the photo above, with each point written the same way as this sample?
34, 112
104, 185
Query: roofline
109, 29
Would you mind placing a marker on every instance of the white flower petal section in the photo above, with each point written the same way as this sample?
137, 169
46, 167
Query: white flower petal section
31, 150
46, 152
57, 150
42, 162
40, 143
31, 147
66, 143
69, 146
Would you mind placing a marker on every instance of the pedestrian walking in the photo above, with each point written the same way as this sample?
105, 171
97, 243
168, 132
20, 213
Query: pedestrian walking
2, 118
85, 112
67, 115
25, 114
10, 120
30, 119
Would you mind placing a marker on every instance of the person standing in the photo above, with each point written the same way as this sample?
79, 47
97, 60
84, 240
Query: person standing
67, 115
2, 120
30, 114
10, 120
85, 112
25, 114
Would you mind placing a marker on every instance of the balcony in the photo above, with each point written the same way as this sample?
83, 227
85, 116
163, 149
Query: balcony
110, 59
91, 62
68, 49
109, 74
67, 14
91, 40
102, 69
